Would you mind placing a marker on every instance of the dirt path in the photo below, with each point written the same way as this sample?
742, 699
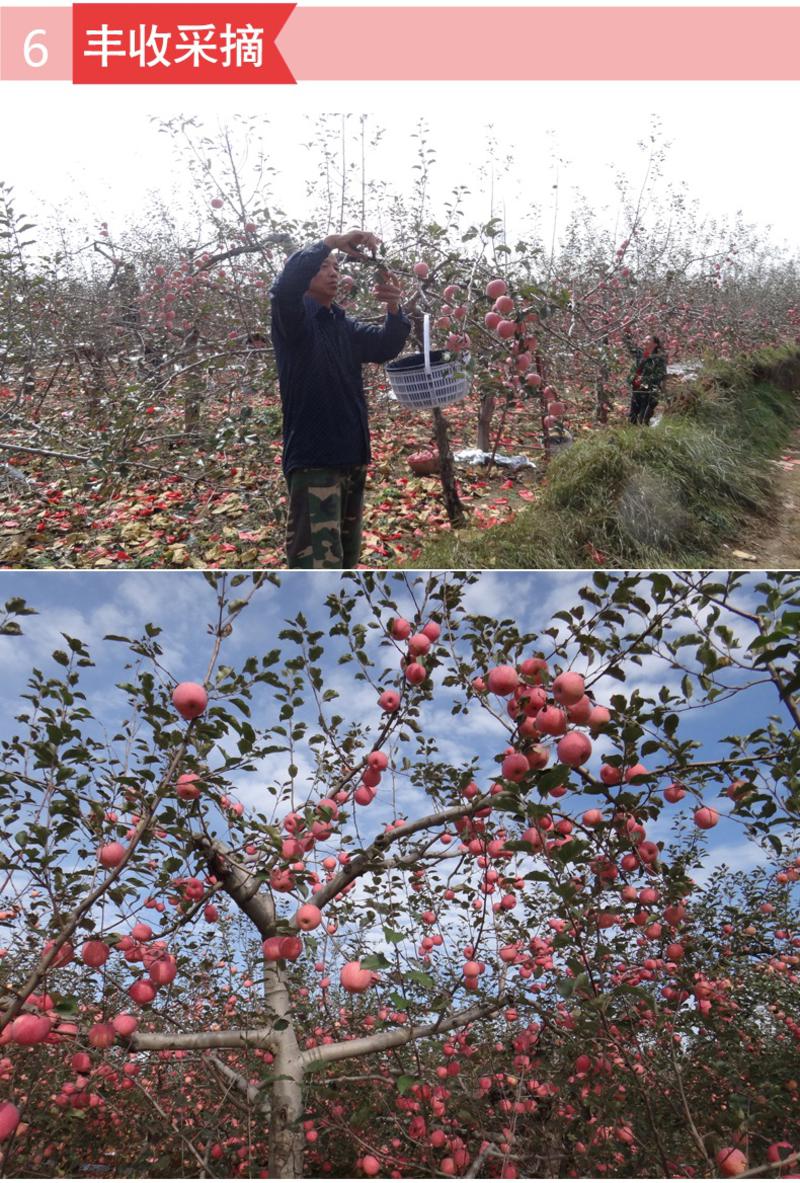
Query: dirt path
776, 544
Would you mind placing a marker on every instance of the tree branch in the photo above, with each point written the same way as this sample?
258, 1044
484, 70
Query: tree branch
261, 1037
73, 920
241, 885
371, 858
253, 1092
772, 1166
383, 1040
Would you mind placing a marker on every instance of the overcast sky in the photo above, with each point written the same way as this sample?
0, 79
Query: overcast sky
65, 151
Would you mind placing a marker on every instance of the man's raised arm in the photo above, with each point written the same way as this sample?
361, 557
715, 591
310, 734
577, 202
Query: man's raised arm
286, 293
382, 343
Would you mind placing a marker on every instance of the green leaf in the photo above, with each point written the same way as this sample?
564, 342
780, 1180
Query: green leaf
375, 961
422, 979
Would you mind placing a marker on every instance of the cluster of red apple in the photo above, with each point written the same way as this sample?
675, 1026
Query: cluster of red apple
414, 671
536, 717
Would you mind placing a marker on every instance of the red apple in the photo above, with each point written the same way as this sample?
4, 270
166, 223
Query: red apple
503, 680
551, 720
515, 766
568, 689
30, 1029
731, 1161
308, 916
124, 1024
188, 788
354, 979
389, 701
9, 1119
599, 717
163, 970
142, 992
581, 712
574, 749
95, 953
63, 956
189, 699
112, 854
415, 673
102, 1035
705, 818
419, 644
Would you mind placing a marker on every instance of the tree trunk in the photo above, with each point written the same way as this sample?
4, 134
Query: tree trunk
452, 503
286, 1134
601, 395
92, 378
29, 377
485, 414
192, 391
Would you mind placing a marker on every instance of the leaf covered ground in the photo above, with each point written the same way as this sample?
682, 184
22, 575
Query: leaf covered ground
168, 502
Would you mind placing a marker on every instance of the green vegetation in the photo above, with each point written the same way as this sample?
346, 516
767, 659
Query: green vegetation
664, 497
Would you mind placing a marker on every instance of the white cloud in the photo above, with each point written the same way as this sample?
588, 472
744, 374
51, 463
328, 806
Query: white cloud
738, 856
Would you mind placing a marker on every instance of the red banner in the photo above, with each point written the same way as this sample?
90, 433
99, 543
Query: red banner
178, 44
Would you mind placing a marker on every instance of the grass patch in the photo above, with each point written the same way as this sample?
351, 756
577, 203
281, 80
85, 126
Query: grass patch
661, 497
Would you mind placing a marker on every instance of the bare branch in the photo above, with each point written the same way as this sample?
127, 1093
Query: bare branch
261, 1037
190, 1145
772, 1166
254, 1093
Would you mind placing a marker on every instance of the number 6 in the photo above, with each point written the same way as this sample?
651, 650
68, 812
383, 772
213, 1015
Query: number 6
31, 48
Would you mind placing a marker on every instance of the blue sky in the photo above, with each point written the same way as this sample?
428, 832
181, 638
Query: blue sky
89, 605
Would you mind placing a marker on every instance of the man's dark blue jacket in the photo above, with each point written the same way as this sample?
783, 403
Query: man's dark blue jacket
319, 354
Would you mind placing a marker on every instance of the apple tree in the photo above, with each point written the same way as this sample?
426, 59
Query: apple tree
419, 843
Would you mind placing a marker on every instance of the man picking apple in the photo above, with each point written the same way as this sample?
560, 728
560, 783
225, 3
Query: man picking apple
319, 354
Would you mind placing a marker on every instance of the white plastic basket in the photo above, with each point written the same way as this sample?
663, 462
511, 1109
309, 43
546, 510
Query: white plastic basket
426, 380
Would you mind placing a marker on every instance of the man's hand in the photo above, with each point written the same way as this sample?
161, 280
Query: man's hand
352, 241
387, 290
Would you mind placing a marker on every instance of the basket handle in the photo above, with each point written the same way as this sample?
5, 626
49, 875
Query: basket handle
426, 344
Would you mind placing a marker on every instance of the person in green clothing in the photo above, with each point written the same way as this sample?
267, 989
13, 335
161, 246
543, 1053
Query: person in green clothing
646, 378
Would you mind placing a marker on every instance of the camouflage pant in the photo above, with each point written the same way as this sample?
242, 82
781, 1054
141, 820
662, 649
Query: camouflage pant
324, 527
643, 403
